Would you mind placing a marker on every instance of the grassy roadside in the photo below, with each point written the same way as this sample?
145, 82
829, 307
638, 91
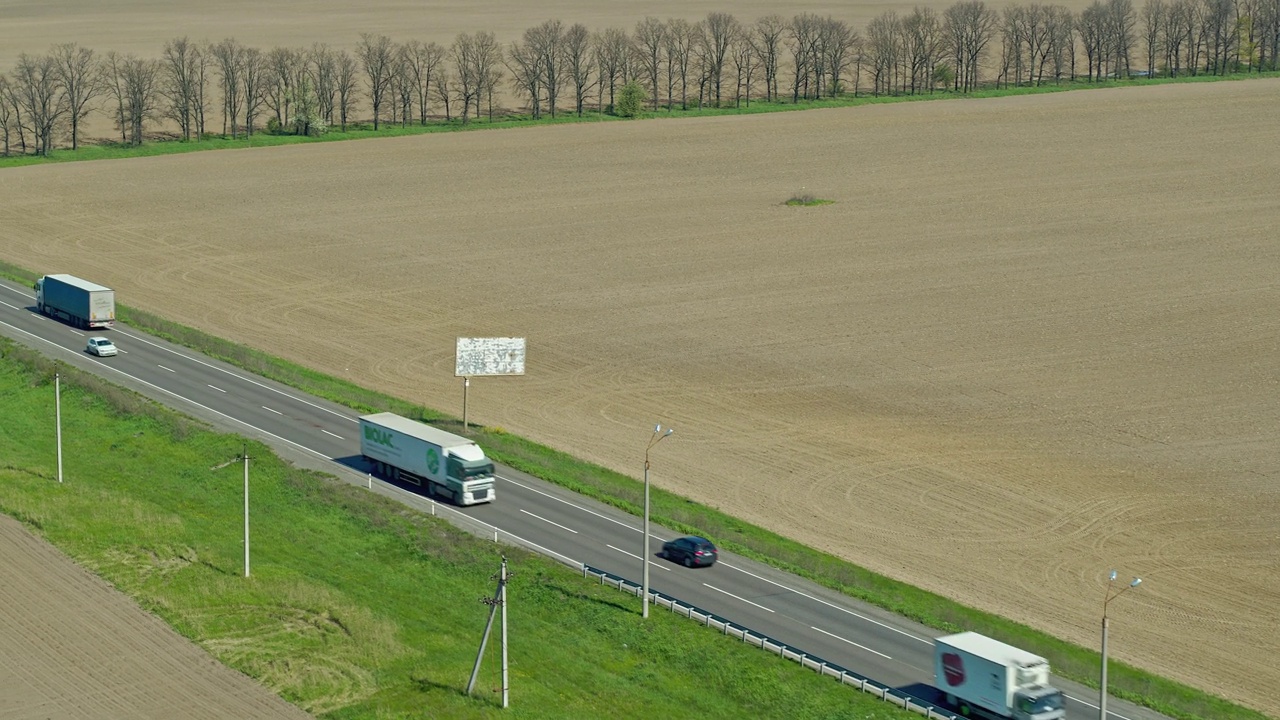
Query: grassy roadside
357, 131
358, 607
1071, 661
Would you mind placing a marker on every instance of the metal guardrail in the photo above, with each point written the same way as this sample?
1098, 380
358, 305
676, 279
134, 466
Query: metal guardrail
709, 619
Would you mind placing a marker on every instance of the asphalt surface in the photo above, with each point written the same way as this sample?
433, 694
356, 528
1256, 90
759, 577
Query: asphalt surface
320, 434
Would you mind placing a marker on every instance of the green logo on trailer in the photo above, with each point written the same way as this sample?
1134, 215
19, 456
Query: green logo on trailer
433, 460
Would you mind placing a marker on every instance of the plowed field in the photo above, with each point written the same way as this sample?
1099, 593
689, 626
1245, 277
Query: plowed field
1033, 339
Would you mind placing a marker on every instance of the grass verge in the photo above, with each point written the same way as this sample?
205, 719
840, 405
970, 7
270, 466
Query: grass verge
1068, 660
358, 607
113, 150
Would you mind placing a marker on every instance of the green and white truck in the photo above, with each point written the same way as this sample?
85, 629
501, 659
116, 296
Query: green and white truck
446, 465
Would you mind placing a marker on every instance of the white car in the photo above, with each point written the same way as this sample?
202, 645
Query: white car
101, 347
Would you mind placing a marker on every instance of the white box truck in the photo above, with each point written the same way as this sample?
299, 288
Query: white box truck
80, 302
985, 678
447, 465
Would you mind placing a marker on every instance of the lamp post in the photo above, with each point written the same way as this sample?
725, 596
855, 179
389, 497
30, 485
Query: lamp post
1102, 697
658, 436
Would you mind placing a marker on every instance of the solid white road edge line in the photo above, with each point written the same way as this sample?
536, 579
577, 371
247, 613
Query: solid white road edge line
735, 597
549, 522
864, 647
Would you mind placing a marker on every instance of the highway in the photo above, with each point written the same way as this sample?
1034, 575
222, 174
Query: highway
319, 434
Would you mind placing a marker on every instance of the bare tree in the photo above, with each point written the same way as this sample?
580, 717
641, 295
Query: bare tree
376, 55
285, 69
402, 87
469, 85
612, 50
254, 75
766, 37
677, 53
577, 63
546, 41
345, 70
322, 63
135, 84
9, 116
721, 29
803, 34
884, 41
423, 62
651, 38
36, 84
180, 83
1120, 23
969, 27
1153, 19
526, 77
78, 74
487, 69
745, 64
444, 91
838, 42
229, 57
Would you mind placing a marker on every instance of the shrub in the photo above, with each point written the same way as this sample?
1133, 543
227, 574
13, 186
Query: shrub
630, 100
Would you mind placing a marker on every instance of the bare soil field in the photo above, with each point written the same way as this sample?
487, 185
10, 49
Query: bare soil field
72, 646
1033, 339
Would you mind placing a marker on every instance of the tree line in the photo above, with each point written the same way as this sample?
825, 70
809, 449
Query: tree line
552, 68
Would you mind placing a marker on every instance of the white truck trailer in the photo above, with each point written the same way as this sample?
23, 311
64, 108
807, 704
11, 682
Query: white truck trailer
445, 464
985, 678
80, 302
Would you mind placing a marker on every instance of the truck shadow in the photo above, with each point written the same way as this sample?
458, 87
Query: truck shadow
364, 467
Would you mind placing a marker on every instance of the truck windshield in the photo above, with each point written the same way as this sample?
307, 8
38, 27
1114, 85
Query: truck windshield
468, 469
1035, 706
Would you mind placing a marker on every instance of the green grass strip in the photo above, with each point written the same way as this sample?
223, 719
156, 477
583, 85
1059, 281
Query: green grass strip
357, 607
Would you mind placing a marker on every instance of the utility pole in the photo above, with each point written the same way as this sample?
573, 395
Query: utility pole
57, 411
499, 599
245, 455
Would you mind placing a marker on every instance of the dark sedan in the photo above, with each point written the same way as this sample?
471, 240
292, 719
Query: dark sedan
693, 551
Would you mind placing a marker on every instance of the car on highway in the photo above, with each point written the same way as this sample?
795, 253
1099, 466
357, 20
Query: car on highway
100, 346
693, 551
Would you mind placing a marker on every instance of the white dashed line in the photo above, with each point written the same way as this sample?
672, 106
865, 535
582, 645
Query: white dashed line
165, 368
549, 522
735, 597
264, 407
631, 554
218, 389
864, 647
326, 432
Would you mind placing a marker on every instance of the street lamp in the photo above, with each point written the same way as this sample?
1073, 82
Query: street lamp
1102, 698
658, 436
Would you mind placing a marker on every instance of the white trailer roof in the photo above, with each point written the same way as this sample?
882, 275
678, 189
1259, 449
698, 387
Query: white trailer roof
417, 429
993, 650
79, 282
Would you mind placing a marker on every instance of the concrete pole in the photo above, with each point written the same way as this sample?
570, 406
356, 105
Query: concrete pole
645, 603
466, 385
1102, 693
502, 598
57, 411
245, 454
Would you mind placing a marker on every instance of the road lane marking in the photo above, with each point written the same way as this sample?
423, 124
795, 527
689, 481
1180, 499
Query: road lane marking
165, 368
77, 332
550, 522
864, 647
241, 377
652, 564
135, 378
828, 604
264, 407
218, 389
15, 307
735, 597
326, 432
1086, 703
566, 502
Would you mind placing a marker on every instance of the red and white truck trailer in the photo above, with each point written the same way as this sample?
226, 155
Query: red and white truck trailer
985, 678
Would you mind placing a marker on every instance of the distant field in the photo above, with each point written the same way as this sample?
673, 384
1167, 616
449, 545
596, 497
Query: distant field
1033, 339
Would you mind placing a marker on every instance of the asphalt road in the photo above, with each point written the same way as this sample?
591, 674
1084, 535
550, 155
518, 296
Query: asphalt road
319, 434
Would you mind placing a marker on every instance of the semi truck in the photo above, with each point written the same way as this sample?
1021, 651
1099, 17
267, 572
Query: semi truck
82, 303
985, 678
444, 464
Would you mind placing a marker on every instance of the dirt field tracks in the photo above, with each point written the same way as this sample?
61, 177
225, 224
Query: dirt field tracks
1033, 339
